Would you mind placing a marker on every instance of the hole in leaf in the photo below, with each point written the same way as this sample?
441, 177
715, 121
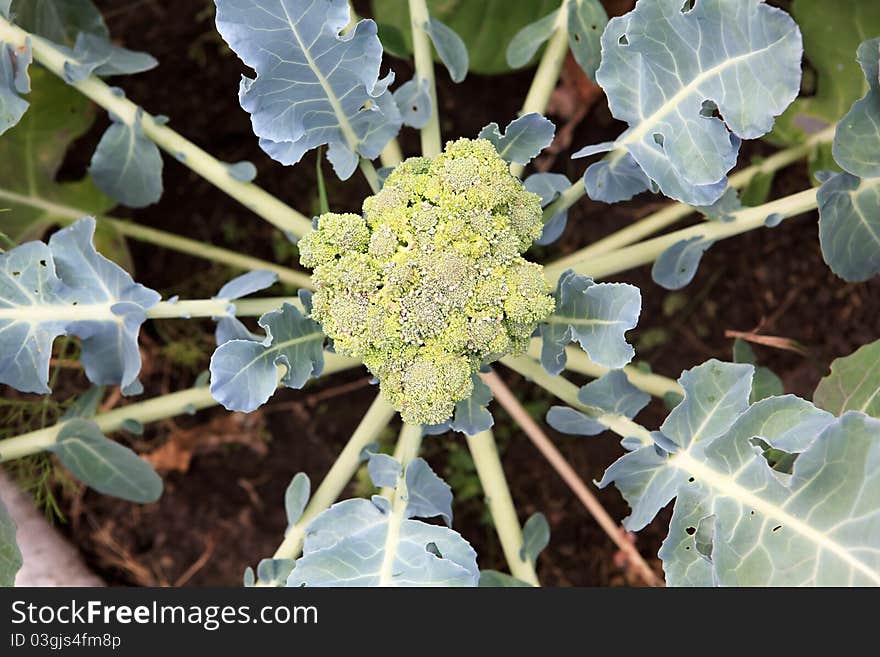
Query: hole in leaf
691, 531
688, 6
42, 263
777, 528
623, 41
16, 273
709, 110
576, 37
691, 480
658, 139
594, 27
687, 547
433, 549
415, 108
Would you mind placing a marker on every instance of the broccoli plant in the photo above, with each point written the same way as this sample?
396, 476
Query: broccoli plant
433, 289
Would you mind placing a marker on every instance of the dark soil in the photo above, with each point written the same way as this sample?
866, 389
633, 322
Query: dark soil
226, 511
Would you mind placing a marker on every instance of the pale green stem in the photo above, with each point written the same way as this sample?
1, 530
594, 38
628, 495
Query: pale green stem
671, 214
391, 155
158, 408
424, 60
66, 214
568, 392
370, 174
407, 449
252, 197
217, 307
497, 493
163, 310
644, 252
578, 361
343, 469
547, 73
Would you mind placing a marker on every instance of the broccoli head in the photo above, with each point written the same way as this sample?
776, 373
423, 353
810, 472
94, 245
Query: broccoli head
430, 284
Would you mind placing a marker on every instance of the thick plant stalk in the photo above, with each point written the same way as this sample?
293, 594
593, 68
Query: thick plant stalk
254, 198
567, 391
578, 361
391, 155
162, 310
424, 60
370, 173
343, 469
216, 307
644, 252
547, 73
407, 449
158, 408
563, 468
488, 463
67, 214
408, 444
671, 214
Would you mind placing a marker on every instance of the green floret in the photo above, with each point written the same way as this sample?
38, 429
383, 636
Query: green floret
430, 284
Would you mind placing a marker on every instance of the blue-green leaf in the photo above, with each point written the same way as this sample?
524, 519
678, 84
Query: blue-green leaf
68, 288
856, 144
677, 265
246, 284
853, 384
14, 82
849, 202
450, 48
525, 43
739, 522
314, 86
244, 373
595, 315
472, 415
414, 103
849, 225
4, 8
536, 537
384, 470
243, 171
495, 579
586, 22
93, 54
614, 180
662, 67
10, 555
274, 572
60, 21
126, 165
374, 543
428, 496
228, 326
716, 394
612, 393
549, 186
295, 498
523, 139
104, 465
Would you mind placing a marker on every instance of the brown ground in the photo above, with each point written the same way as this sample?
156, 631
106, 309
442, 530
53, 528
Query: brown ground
226, 511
